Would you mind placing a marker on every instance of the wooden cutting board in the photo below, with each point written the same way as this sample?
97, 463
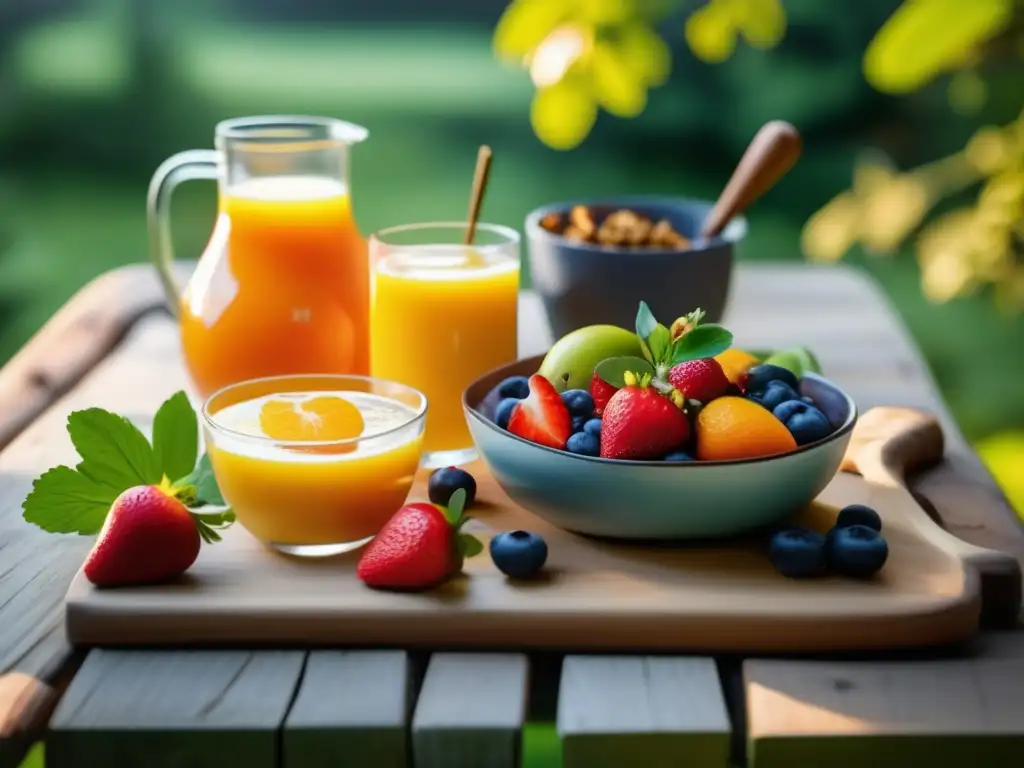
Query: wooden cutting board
597, 595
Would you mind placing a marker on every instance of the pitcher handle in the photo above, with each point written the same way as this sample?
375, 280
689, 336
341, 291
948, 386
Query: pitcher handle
184, 166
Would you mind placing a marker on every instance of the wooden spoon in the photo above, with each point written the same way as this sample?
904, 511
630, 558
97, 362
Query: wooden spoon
476, 195
771, 153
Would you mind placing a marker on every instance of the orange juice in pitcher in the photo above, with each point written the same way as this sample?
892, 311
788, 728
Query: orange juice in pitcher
283, 285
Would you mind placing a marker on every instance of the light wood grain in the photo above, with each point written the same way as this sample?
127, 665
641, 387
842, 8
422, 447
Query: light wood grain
653, 711
470, 711
885, 714
201, 709
352, 709
596, 596
24, 703
873, 358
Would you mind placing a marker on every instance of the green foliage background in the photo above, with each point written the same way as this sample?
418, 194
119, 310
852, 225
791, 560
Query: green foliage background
97, 92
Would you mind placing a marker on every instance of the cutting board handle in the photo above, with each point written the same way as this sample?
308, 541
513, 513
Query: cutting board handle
890, 443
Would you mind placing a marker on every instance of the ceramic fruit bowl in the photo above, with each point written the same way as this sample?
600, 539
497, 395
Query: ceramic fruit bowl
657, 500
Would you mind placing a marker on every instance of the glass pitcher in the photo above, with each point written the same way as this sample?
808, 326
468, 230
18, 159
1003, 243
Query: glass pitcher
283, 284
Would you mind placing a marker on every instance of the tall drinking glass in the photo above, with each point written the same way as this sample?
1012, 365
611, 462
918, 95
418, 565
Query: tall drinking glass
442, 314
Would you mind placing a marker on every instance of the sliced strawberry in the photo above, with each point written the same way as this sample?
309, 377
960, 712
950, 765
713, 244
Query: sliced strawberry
602, 392
542, 417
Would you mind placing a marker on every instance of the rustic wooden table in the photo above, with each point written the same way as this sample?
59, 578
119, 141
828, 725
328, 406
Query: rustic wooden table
115, 347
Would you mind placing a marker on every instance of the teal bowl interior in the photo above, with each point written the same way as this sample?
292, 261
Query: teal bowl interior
655, 500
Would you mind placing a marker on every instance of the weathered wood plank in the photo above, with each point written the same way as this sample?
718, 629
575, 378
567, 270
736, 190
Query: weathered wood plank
200, 708
654, 711
885, 714
470, 711
352, 709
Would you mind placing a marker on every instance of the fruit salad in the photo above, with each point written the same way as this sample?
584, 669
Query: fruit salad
677, 393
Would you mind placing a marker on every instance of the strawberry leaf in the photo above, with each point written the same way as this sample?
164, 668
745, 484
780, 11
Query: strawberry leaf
659, 342
65, 501
114, 452
456, 503
209, 523
703, 341
469, 545
176, 436
645, 322
207, 491
613, 369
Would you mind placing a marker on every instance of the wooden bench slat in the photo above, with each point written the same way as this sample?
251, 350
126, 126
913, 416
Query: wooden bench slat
654, 711
885, 714
196, 708
471, 711
352, 709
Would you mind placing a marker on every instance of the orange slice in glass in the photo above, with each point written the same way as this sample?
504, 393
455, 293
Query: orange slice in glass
325, 418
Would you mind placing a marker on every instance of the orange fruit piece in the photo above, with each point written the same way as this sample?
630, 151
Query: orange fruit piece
323, 418
735, 363
736, 428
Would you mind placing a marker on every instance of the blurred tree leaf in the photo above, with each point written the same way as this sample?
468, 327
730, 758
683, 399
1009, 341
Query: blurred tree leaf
925, 38
617, 86
563, 114
761, 22
646, 53
525, 23
606, 12
710, 33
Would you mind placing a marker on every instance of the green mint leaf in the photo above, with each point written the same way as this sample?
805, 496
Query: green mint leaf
612, 369
799, 360
456, 503
469, 545
703, 341
207, 490
209, 523
65, 501
645, 322
659, 342
114, 452
176, 437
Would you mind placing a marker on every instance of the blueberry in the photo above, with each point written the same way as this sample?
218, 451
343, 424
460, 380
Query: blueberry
774, 394
514, 386
807, 399
504, 411
805, 422
858, 514
759, 376
445, 481
797, 553
593, 427
856, 551
584, 443
679, 456
579, 402
579, 422
519, 554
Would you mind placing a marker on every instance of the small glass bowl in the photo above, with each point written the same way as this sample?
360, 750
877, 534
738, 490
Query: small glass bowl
316, 498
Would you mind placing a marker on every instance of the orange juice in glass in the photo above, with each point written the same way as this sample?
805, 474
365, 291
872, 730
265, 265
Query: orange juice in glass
314, 465
442, 314
283, 284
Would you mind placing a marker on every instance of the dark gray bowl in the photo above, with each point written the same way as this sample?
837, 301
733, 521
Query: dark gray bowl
582, 284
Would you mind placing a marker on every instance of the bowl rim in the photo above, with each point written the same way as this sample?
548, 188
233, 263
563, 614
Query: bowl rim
844, 429
735, 231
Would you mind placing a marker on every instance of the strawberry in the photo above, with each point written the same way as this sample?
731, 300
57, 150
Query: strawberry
701, 379
148, 536
641, 422
419, 547
542, 417
602, 392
